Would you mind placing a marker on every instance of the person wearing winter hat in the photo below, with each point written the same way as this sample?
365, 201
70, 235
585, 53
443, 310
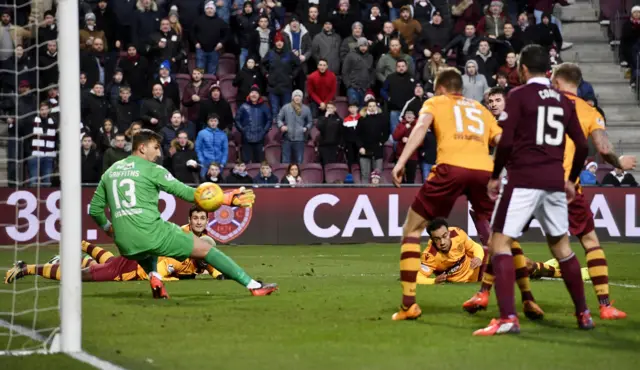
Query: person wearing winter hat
546, 33
299, 41
629, 38
169, 84
351, 42
546, 7
253, 120
492, 24
375, 178
90, 32
219, 105
248, 76
210, 33
372, 132
294, 121
401, 137
396, 91
358, 71
280, 67
588, 175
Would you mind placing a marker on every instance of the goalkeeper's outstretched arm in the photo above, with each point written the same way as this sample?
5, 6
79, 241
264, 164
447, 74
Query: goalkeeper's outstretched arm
166, 182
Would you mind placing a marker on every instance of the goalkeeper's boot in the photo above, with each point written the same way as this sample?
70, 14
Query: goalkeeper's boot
54, 260
157, 288
478, 302
15, 273
608, 312
411, 313
532, 311
499, 326
585, 322
265, 289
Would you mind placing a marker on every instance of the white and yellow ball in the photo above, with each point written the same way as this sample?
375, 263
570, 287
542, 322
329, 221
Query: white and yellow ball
209, 196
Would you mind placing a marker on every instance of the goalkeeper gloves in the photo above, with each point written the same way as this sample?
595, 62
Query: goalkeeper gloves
240, 198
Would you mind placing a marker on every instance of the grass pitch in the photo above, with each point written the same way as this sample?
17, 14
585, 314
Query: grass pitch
333, 311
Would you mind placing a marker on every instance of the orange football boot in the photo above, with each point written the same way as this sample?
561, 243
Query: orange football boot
532, 311
157, 288
611, 313
265, 289
499, 326
478, 302
411, 314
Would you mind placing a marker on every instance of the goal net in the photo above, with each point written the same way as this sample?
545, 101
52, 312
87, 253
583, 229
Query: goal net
39, 177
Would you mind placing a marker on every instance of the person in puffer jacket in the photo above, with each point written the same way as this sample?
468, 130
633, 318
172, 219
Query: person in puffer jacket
280, 67
253, 120
212, 145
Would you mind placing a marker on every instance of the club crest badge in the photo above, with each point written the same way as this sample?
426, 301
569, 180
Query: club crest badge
228, 223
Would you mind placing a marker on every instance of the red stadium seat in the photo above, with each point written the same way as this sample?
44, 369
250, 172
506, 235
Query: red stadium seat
228, 169
274, 136
311, 173
335, 171
210, 79
253, 169
314, 136
602, 171
355, 171
233, 153
236, 137
234, 107
418, 179
342, 106
183, 80
310, 154
191, 61
386, 177
279, 170
388, 155
273, 153
226, 66
228, 90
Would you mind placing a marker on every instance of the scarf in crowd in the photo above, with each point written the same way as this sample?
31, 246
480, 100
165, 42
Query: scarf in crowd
296, 107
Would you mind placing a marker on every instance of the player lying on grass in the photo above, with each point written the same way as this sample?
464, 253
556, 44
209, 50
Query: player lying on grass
130, 189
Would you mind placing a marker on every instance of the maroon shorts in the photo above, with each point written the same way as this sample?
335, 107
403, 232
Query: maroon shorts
580, 216
445, 184
114, 269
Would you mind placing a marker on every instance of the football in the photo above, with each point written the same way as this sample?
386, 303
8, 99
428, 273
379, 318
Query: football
209, 196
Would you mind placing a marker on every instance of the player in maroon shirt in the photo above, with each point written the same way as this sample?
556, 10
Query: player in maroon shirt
532, 150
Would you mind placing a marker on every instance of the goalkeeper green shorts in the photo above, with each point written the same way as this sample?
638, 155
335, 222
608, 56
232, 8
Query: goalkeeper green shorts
165, 239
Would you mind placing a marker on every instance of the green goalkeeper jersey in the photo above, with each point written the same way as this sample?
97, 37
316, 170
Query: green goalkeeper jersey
131, 188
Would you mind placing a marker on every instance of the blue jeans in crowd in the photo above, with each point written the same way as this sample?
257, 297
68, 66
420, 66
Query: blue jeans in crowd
394, 14
207, 61
426, 169
277, 101
394, 119
40, 170
292, 150
355, 95
538, 15
244, 55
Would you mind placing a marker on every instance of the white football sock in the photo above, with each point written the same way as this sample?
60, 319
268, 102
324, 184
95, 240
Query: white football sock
253, 285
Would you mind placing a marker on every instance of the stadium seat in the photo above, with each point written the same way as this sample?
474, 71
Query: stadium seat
355, 171
310, 154
234, 106
210, 79
183, 80
228, 168
253, 169
342, 106
228, 90
602, 171
236, 137
388, 155
311, 173
279, 170
386, 177
226, 66
273, 153
314, 136
418, 178
191, 61
233, 153
335, 171
274, 136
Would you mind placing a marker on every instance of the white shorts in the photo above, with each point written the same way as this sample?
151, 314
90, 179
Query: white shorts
516, 207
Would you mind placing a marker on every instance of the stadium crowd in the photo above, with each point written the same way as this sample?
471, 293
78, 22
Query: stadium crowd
261, 92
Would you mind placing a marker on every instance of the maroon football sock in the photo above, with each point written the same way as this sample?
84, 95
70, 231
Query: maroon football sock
505, 278
572, 277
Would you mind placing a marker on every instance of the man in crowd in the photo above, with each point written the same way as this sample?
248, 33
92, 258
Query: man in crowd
321, 87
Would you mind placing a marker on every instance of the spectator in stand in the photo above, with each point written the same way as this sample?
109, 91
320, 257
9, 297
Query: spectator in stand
375, 178
396, 91
435, 35
383, 41
545, 7
343, 18
321, 88
91, 162
106, 134
465, 45
473, 84
212, 144
586, 92
166, 45
374, 22
194, 93
124, 111
84, 87
349, 134
350, 42
44, 147
326, 45
266, 175
331, 135
415, 103
90, 32
431, 70
423, 11
245, 25
409, 28
294, 121
131, 131
465, 12
292, 177
394, 8
312, 23
156, 111
125, 15
588, 175
217, 104
182, 159
146, 21
275, 12
358, 72
214, 174
112, 91
94, 108
253, 120
492, 23
546, 33
20, 124
15, 35
106, 21
116, 152
19, 67
135, 69
280, 67
510, 69
48, 64
387, 64
371, 134
524, 30
618, 177
502, 81
630, 36
401, 136
210, 32
47, 30
261, 39
299, 41
487, 62
247, 77
169, 84
97, 65
554, 57
177, 125
509, 41
239, 174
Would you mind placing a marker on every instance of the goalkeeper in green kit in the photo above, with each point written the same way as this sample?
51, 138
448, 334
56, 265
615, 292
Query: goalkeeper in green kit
130, 188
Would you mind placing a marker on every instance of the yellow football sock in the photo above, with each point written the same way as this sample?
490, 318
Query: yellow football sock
599, 272
99, 254
522, 273
409, 267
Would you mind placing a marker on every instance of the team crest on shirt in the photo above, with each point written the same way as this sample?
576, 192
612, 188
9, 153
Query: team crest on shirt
228, 223
600, 121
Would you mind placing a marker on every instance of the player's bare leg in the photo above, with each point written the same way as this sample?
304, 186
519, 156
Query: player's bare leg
572, 277
599, 273
410, 265
224, 264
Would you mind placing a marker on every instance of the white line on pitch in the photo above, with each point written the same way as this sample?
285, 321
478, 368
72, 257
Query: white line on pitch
622, 285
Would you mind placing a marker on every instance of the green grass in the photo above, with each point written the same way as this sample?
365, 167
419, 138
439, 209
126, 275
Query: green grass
332, 312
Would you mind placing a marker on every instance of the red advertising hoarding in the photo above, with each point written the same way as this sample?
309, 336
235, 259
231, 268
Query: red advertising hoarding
299, 216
